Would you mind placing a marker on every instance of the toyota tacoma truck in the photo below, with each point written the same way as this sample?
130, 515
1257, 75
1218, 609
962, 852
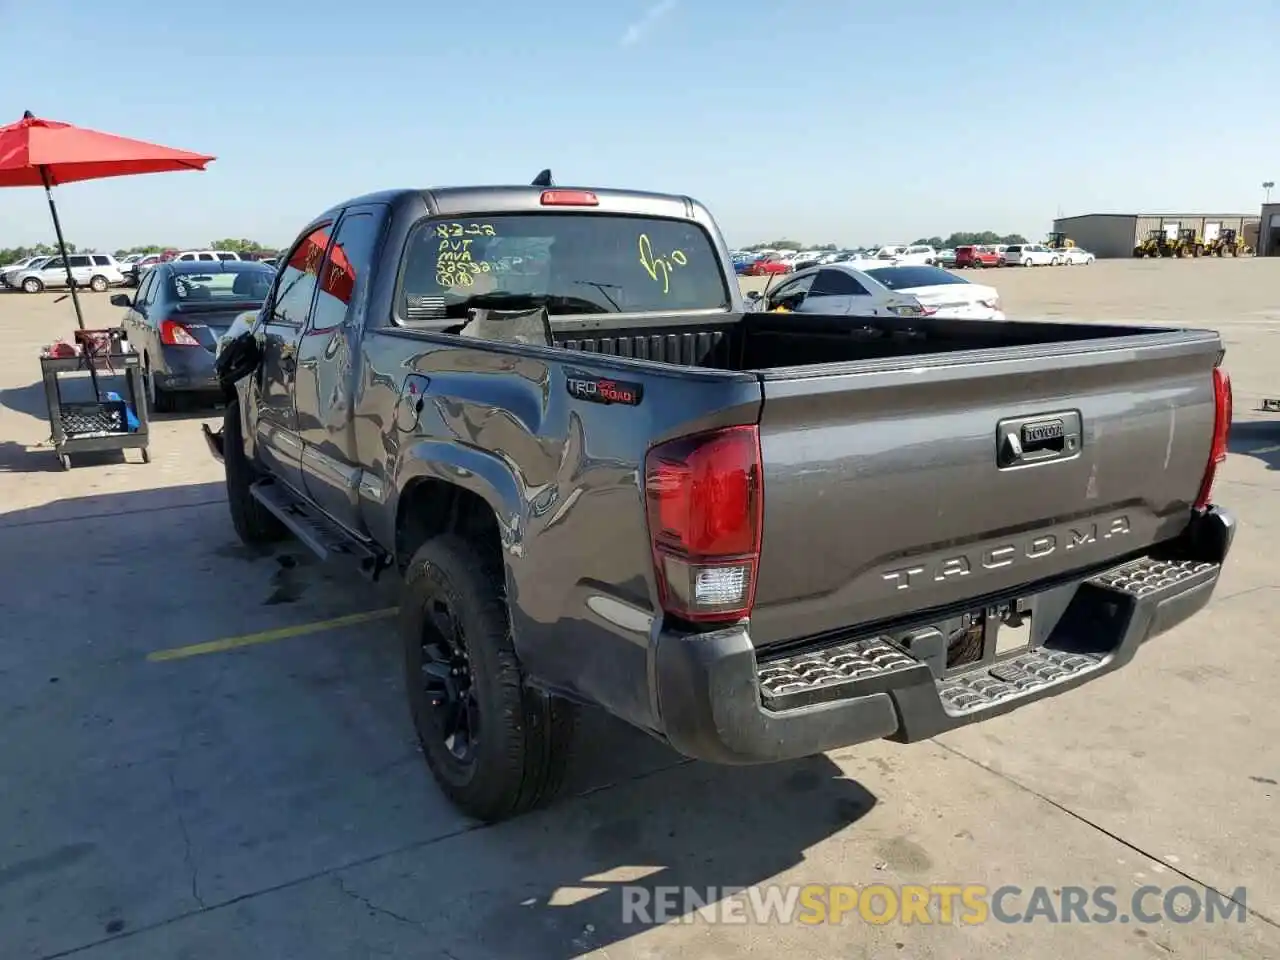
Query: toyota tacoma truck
755, 536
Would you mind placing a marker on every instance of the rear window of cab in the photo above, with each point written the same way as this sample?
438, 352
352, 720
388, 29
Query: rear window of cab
574, 263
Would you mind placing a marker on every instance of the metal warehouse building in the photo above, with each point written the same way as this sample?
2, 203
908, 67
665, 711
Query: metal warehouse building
1116, 234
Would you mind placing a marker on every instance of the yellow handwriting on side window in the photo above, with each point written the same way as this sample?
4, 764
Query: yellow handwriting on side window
659, 267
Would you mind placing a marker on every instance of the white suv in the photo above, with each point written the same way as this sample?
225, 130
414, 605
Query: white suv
97, 271
1031, 255
206, 255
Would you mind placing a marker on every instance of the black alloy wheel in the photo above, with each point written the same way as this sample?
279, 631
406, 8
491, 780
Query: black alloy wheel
448, 681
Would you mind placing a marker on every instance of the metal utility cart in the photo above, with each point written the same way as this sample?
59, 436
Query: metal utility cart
107, 421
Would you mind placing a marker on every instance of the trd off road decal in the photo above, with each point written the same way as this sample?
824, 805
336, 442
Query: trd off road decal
603, 389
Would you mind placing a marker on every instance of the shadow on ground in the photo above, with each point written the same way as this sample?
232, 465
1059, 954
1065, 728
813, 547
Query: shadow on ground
30, 400
252, 789
117, 504
598, 869
1259, 439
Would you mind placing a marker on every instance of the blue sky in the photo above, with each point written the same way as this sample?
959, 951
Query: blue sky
824, 120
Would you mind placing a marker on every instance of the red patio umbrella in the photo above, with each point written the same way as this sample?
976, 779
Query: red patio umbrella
43, 153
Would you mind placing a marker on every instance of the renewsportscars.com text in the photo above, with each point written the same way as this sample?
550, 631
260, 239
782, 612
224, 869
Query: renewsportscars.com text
967, 904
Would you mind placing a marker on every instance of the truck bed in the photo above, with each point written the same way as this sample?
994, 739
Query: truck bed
884, 487
768, 341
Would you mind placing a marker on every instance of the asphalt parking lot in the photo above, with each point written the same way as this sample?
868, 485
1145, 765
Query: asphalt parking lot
206, 751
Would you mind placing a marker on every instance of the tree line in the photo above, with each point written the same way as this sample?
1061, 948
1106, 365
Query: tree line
963, 238
14, 254
241, 246
960, 238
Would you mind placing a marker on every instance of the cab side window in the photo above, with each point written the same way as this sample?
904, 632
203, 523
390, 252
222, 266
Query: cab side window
296, 284
350, 258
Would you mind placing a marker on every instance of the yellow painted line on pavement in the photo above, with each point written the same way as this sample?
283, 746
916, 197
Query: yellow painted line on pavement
270, 636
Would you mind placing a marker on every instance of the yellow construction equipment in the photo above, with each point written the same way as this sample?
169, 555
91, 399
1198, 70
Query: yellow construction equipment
1059, 241
1228, 244
1188, 244
1155, 245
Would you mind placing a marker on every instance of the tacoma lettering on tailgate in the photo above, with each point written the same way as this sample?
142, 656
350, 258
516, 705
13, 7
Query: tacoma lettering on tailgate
1022, 551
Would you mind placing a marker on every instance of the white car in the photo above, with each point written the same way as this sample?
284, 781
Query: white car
1031, 255
9, 274
914, 254
97, 271
884, 291
1074, 255
23, 263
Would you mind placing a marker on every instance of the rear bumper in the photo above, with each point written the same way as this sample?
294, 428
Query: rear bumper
186, 369
718, 703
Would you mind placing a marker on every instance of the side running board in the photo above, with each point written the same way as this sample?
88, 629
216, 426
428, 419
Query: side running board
326, 539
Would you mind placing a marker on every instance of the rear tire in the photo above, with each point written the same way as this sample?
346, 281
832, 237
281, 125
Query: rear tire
160, 401
518, 740
255, 524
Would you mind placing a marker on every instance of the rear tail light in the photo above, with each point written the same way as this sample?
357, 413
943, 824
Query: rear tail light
1221, 431
912, 310
569, 198
176, 334
704, 497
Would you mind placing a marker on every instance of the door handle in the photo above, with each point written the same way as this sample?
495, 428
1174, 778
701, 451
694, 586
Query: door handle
1022, 441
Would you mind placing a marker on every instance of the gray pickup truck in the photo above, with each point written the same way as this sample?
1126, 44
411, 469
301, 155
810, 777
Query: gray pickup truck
756, 536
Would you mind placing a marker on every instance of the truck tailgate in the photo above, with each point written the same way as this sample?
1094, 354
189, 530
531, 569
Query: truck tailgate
899, 486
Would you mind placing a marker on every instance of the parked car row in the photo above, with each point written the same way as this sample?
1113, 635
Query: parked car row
1013, 255
758, 263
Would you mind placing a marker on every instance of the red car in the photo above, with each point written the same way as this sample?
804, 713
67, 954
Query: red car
977, 256
764, 267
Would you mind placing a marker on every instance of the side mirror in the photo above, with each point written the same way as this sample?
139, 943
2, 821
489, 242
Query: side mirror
237, 357
121, 300
753, 294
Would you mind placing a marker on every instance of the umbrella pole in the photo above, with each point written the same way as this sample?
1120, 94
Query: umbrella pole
62, 243
66, 263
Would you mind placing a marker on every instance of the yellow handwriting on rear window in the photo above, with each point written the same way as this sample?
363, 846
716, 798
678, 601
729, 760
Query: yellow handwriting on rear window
455, 264
660, 267
450, 230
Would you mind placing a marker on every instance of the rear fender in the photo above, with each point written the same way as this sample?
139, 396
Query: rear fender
478, 472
